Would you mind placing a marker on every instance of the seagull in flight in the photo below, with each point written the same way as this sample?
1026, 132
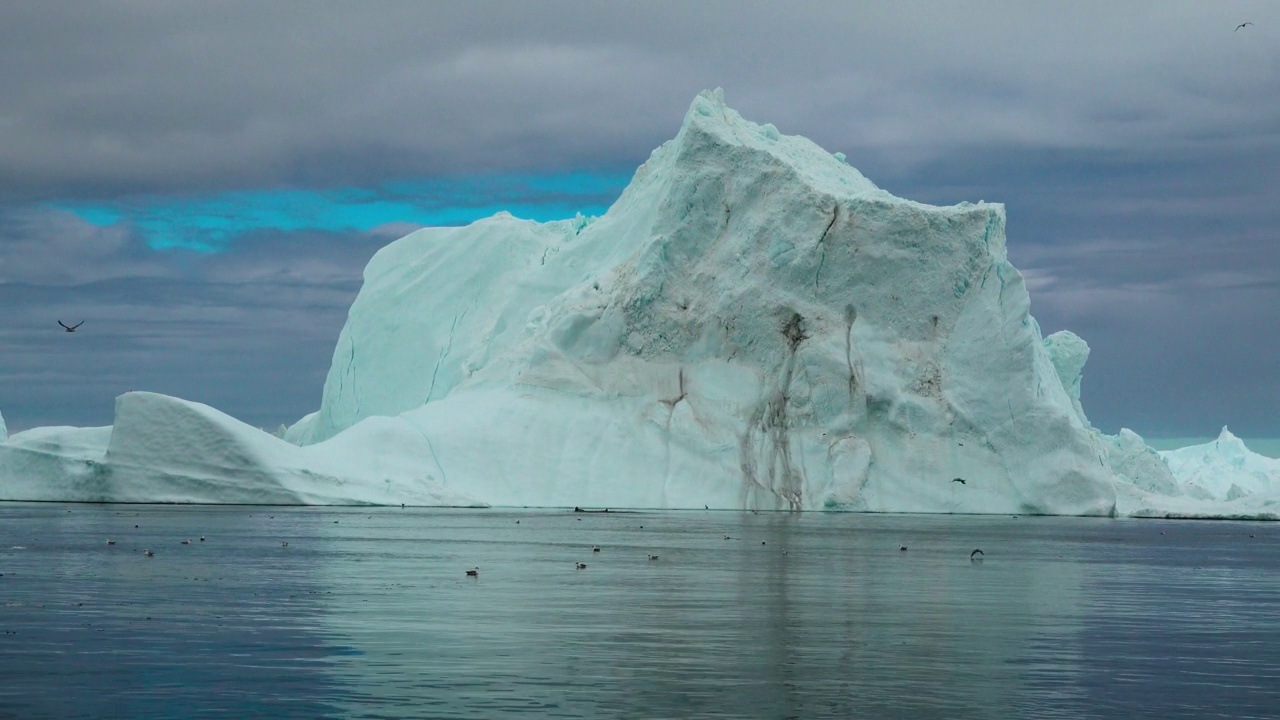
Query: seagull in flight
1245, 24
71, 328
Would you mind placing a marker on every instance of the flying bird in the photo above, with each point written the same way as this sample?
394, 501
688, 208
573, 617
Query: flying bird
71, 328
1244, 24
959, 480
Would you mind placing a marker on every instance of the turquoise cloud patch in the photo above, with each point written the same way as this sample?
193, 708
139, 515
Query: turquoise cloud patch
211, 223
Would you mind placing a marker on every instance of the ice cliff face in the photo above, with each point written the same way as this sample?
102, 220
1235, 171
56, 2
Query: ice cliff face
753, 324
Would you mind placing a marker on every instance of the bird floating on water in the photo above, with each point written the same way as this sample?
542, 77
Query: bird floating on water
581, 566
473, 572
148, 553
70, 328
653, 557
595, 548
111, 542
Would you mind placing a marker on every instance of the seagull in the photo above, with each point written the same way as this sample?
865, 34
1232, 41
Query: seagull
581, 566
653, 557
284, 544
71, 328
1244, 24
473, 572
595, 548
148, 553
959, 480
111, 542
186, 542
976, 556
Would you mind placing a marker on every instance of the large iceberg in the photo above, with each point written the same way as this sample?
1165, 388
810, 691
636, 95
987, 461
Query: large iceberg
753, 324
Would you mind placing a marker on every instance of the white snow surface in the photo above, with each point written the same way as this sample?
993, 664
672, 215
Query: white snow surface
753, 324
162, 449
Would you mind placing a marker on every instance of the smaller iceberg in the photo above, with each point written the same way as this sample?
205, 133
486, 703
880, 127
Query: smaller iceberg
1218, 479
1225, 469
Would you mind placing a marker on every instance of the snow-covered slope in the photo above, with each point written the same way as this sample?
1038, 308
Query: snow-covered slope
163, 449
753, 324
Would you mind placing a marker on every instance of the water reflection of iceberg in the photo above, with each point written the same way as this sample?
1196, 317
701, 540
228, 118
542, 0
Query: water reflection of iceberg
842, 625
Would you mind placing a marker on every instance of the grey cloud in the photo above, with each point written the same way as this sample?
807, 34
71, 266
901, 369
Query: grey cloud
146, 95
250, 331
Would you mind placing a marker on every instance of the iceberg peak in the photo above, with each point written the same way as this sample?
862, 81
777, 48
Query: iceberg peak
712, 127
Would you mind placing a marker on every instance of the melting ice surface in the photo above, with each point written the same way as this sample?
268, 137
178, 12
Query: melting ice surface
752, 325
372, 616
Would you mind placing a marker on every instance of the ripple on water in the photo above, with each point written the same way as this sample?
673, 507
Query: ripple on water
373, 616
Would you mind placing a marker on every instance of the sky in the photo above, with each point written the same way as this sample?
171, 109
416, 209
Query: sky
202, 183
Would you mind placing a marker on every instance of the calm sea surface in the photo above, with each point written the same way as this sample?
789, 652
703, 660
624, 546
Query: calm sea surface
367, 613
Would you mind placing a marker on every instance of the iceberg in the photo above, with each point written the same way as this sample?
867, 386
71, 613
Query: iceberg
752, 325
1225, 469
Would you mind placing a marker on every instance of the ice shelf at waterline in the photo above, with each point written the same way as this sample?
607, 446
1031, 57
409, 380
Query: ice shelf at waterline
753, 324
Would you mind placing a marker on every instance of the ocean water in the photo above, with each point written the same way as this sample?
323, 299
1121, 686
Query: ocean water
367, 613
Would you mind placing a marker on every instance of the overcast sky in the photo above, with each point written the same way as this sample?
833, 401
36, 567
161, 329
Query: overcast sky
202, 183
